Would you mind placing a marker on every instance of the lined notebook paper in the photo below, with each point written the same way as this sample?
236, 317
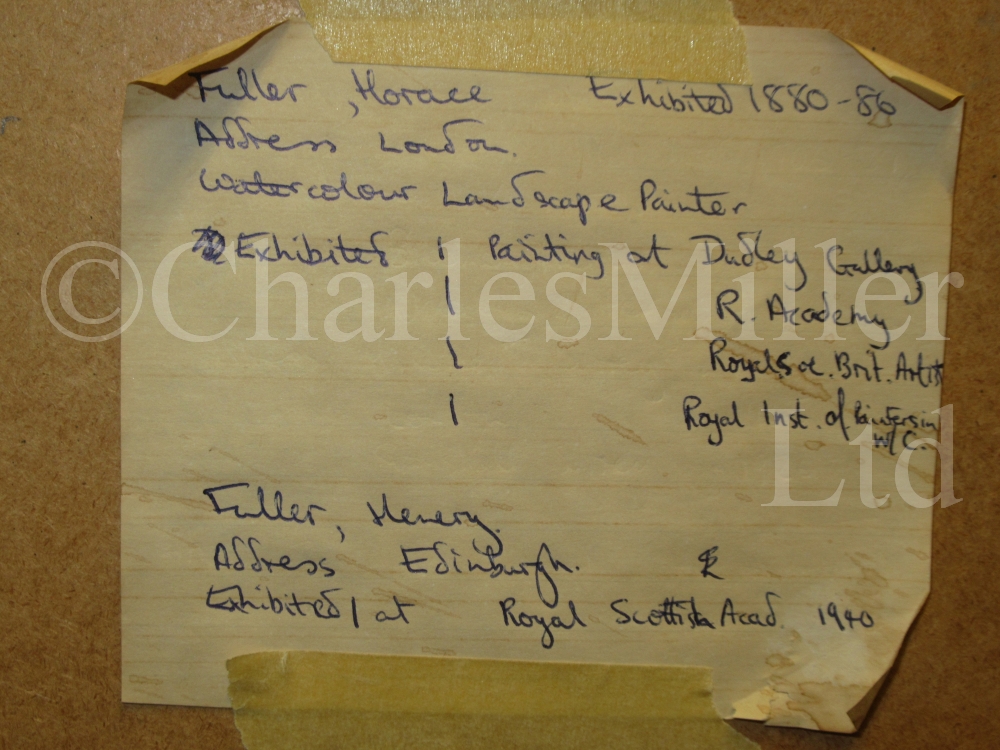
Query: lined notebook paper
517, 366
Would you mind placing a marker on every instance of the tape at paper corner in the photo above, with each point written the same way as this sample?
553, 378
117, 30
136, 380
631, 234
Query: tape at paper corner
679, 40
309, 699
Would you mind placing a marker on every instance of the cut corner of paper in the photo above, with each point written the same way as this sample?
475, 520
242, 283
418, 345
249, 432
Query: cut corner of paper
171, 80
312, 699
810, 704
859, 711
937, 94
802, 700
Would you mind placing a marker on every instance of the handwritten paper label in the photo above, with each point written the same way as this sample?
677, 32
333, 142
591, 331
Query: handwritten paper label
534, 367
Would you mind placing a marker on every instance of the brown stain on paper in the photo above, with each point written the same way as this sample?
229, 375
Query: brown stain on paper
625, 432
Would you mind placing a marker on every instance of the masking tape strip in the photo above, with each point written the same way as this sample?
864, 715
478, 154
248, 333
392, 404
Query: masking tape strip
308, 699
678, 40
932, 92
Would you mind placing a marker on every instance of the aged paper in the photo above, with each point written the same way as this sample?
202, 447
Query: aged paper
404, 382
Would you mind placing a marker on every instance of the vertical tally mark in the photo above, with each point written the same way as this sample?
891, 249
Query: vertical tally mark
451, 348
454, 356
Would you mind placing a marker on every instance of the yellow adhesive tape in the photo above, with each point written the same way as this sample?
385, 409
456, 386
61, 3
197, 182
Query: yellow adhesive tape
679, 40
306, 699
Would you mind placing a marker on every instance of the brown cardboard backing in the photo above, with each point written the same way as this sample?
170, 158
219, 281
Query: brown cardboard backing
63, 70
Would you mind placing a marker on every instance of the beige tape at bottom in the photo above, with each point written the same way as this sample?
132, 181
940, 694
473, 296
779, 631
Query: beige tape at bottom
307, 699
